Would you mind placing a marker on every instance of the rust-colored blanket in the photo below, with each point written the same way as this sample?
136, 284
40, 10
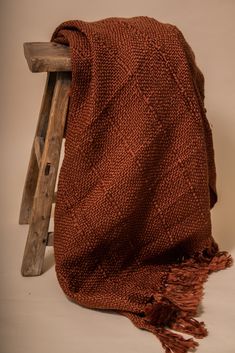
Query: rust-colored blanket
132, 227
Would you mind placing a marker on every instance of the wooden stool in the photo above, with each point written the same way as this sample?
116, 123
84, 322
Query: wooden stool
39, 189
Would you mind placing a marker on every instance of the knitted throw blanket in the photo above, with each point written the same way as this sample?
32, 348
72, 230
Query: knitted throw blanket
132, 226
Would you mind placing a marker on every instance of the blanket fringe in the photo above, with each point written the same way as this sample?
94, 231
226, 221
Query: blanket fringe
175, 343
175, 305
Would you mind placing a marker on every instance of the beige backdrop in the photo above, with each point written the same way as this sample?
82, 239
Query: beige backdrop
35, 315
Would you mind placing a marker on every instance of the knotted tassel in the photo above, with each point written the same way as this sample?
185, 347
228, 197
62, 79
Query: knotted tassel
221, 261
170, 341
160, 314
174, 343
190, 326
175, 304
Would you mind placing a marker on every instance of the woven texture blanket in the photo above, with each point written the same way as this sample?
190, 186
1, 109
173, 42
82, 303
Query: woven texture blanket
132, 226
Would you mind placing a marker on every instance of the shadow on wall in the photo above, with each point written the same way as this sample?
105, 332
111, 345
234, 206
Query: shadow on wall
222, 215
49, 259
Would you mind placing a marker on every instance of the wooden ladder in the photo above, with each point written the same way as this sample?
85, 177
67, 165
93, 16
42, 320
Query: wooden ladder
39, 188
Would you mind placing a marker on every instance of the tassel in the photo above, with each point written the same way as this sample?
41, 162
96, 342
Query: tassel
173, 306
190, 326
174, 343
160, 314
165, 313
170, 341
176, 304
221, 261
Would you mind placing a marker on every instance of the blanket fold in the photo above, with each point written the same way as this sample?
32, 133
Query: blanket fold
132, 226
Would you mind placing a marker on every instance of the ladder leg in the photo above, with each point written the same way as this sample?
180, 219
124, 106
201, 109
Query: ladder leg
33, 168
42, 203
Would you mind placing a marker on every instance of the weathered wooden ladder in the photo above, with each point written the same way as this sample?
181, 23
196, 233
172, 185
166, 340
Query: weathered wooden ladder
39, 189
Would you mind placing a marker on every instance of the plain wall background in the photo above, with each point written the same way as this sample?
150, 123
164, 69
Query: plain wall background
208, 26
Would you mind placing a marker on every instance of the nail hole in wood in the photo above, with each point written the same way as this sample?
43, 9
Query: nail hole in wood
47, 168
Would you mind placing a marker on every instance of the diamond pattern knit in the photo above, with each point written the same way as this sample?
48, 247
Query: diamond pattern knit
132, 227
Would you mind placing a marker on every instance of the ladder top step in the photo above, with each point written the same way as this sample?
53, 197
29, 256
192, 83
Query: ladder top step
47, 56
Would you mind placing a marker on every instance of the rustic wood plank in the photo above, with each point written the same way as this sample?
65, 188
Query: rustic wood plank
47, 56
38, 148
50, 239
32, 171
38, 230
